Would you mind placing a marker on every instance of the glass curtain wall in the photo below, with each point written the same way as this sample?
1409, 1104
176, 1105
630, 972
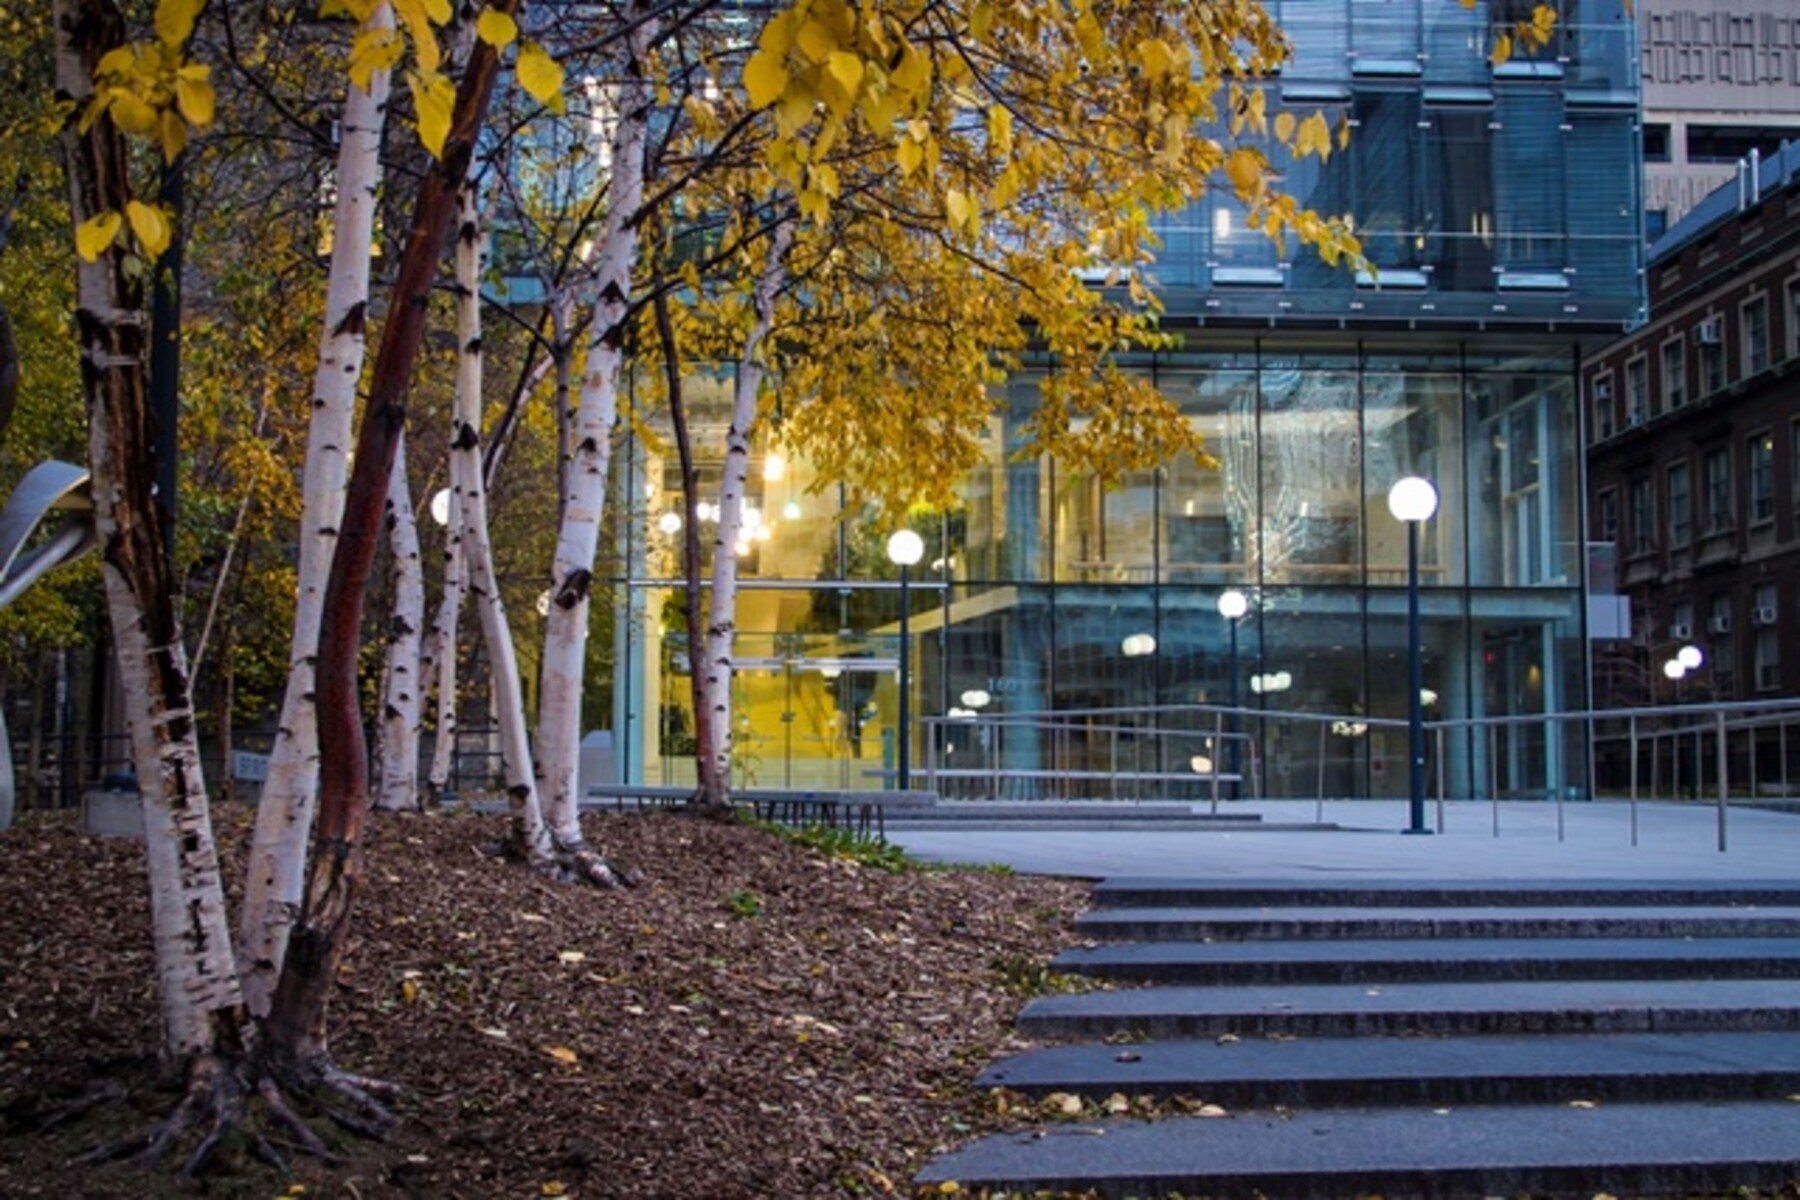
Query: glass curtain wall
1041, 591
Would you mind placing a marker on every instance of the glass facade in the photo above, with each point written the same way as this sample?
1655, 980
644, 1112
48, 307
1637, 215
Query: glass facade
1499, 208
1033, 584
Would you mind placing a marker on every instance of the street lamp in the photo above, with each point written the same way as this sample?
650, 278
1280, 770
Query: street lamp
1687, 660
905, 548
1233, 604
1413, 500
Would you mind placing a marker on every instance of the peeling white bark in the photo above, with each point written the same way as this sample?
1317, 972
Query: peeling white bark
531, 837
195, 969
437, 659
276, 876
590, 447
403, 685
714, 666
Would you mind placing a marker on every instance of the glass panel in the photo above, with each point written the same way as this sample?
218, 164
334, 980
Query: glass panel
1523, 518
1106, 536
1311, 529
1459, 216
1528, 181
1384, 156
1445, 683
1311, 661
1413, 424
1209, 512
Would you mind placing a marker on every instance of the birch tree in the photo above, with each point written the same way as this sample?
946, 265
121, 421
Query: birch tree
403, 683
202, 1008
584, 473
284, 816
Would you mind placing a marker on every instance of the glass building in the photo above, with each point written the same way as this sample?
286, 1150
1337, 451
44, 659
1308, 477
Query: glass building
1499, 205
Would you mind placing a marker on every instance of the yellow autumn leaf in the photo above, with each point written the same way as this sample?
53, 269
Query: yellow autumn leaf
765, 78
1314, 137
913, 74
130, 113
563, 1054
540, 75
1243, 166
554, 1188
496, 28
174, 20
999, 123
171, 134
816, 40
409, 990
439, 11
194, 95
94, 235
1155, 57
1543, 19
1503, 49
909, 154
846, 69
374, 50
433, 96
413, 15
957, 206
149, 225
1284, 126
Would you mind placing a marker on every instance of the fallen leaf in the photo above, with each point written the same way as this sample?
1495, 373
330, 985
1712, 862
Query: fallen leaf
1584, 1104
571, 957
563, 1054
1226, 1039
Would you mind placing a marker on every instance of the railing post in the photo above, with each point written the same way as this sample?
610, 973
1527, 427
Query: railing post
1634, 778
1493, 766
1218, 748
1721, 757
1319, 802
1439, 737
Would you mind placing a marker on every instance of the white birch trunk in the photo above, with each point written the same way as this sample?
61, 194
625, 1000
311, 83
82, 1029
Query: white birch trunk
714, 666
590, 447
197, 976
403, 685
531, 838
438, 658
276, 877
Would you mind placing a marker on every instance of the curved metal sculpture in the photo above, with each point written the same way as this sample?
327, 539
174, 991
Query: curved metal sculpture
49, 487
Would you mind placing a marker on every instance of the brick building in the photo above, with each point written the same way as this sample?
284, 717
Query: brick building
1693, 428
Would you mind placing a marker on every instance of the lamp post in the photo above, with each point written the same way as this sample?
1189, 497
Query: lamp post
905, 548
1233, 604
1686, 660
1413, 500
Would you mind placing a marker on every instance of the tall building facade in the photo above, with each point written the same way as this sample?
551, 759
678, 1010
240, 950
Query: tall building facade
1500, 208
1694, 459
1721, 83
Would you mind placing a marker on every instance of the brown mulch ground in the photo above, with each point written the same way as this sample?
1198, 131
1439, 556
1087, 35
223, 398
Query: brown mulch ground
760, 1019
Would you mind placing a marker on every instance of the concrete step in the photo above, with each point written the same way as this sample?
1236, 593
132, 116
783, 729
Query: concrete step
1334, 1010
1201, 893
1336, 923
1433, 1072
1421, 961
1625, 1150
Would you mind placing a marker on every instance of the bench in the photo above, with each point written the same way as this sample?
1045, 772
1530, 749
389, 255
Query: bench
864, 812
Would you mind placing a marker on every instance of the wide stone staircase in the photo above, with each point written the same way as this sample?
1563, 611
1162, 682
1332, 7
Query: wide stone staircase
1415, 1039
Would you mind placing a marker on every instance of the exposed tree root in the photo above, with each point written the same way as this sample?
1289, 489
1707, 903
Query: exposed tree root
578, 863
106, 1092
219, 1096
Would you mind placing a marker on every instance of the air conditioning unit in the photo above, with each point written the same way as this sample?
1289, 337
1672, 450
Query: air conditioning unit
1710, 332
1764, 615
1720, 624
1680, 632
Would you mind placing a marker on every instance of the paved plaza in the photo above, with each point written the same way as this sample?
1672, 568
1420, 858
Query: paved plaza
1674, 842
